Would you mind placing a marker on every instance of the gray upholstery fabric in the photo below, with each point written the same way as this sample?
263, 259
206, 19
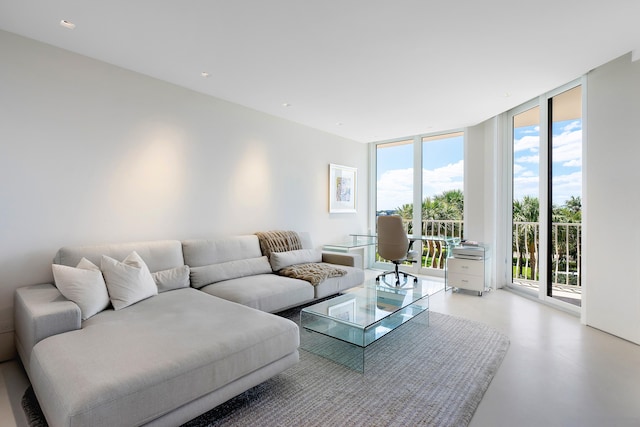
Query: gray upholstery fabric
141, 362
40, 312
198, 253
333, 285
173, 278
280, 260
207, 274
203, 404
158, 255
266, 292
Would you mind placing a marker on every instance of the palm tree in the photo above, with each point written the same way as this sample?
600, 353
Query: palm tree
528, 212
406, 212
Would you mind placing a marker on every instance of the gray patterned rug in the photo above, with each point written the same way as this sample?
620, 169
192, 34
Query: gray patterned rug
431, 371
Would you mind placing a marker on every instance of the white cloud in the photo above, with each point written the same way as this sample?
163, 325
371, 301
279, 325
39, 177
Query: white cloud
573, 163
577, 124
395, 187
449, 177
525, 186
529, 142
565, 186
567, 148
528, 159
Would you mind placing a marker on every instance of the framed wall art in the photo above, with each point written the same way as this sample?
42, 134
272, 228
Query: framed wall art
342, 189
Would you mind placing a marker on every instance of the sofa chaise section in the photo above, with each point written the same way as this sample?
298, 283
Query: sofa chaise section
133, 366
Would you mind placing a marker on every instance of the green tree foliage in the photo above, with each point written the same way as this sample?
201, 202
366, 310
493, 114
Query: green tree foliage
527, 211
446, 206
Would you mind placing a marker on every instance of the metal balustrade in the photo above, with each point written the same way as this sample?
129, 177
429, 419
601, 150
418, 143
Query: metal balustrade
566, 260
566, 249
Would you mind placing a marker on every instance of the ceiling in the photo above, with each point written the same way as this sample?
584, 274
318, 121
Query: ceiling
367, 70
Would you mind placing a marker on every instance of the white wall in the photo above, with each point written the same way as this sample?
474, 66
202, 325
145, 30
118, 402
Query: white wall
474, 191
91, 153
480, 196
612, 199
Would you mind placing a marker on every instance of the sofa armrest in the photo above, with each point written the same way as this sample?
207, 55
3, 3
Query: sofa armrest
348, 259
40, 312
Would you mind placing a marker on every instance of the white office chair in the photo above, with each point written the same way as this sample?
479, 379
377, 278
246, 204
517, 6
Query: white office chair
394, 245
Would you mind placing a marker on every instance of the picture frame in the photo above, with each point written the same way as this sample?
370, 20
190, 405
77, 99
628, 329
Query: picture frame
343, 311
343, 185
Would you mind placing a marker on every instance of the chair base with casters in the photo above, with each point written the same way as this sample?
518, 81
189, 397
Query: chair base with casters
396, 272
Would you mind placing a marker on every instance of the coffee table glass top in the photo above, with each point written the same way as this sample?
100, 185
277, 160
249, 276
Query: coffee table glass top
364, 314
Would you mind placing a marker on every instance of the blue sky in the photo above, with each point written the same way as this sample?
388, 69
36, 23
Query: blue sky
567, 161
443, 166
443, 169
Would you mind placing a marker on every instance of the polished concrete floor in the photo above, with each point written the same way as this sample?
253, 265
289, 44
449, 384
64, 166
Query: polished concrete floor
557, 372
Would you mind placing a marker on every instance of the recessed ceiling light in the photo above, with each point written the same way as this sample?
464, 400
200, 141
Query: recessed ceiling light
339, 124
67, 24
204, 74
286, 104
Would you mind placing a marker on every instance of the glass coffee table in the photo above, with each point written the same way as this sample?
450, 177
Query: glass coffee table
342, 328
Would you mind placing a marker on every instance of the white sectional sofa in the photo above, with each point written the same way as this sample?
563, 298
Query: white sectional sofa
172, 356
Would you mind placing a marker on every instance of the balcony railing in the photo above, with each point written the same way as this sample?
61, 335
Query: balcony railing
435, 250
566, 262
566, 249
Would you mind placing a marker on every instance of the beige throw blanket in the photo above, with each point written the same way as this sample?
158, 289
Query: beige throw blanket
278, 241
312, 272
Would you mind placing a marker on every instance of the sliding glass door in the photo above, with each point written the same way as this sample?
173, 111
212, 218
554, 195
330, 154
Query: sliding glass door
565, 194
547, 189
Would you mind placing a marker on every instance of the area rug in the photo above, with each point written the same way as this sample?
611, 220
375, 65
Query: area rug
431, 371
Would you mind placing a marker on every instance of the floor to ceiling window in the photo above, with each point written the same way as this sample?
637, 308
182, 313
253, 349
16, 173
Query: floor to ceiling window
547, 190
422, 180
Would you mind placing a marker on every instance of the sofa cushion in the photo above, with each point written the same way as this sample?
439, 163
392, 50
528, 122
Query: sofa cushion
173, 278
333, 285
208, 274
138, 364
280, 260
266, 292
83, 285
128, 281
158, 254
198, 253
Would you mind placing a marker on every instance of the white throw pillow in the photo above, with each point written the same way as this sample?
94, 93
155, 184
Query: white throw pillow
128, 281
83, 285
174, 278
280, 260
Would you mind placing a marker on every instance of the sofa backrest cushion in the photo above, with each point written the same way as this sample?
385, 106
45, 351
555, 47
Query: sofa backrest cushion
280, 260
198, 253
173, 278
305, 239
212, 261
208, 274
158, 255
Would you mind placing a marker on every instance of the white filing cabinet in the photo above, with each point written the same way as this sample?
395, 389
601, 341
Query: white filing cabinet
468, 270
